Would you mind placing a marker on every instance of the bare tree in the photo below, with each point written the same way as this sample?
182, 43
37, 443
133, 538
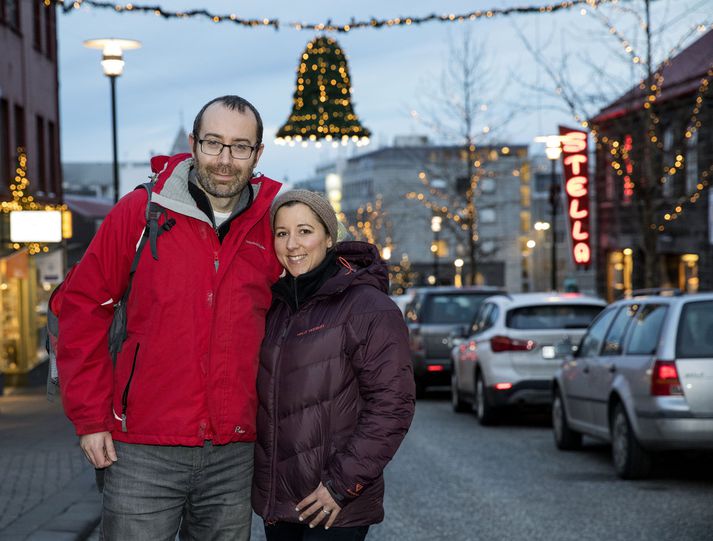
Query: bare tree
459, 112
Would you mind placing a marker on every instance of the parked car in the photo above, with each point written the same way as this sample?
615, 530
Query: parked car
432, 315
509, 357
642, 379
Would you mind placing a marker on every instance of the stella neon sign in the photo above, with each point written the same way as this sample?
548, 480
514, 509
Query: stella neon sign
575, 163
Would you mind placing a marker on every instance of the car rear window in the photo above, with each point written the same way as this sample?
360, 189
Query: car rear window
695, 330
552, 316
456, 308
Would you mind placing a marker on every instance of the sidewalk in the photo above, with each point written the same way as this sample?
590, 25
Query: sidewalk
47, 489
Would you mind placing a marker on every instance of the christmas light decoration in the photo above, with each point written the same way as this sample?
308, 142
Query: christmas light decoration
21, 200
70, 6
322, 107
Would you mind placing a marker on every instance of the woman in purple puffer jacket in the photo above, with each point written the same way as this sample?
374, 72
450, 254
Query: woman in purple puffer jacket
335, 384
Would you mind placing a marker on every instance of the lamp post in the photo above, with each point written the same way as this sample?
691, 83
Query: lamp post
436, 228
553, 150
113, 65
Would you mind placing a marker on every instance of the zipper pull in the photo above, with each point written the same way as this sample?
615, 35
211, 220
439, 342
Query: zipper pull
123, 422
215, 261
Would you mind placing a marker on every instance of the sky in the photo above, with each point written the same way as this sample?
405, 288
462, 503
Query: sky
184, 63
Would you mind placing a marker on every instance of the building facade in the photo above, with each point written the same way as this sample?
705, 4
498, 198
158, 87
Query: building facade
653, 174
29, 142
393, 196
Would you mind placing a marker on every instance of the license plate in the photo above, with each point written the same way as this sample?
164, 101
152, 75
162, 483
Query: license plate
548, 352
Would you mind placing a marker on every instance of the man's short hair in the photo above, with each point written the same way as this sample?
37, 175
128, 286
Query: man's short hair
232, 103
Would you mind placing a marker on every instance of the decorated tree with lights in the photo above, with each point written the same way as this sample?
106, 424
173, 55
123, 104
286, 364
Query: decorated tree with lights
460, 112
646, 165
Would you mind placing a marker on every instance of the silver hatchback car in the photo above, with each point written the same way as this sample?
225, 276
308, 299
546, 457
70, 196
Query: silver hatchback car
642, 379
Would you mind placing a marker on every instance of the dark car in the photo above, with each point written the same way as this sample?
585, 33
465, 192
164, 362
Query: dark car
433, 315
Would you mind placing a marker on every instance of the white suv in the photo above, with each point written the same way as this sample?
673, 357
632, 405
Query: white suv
509, 357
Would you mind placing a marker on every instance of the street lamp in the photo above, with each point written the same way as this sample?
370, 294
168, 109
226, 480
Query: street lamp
113, 65
436, 228
458, 281
553, 150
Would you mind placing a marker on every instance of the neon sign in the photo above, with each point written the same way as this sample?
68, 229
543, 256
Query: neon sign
575, 164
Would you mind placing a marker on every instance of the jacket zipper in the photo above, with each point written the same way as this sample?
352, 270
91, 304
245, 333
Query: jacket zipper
125, 395
275, 386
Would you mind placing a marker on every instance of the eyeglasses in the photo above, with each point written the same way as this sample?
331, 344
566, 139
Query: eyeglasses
238, 151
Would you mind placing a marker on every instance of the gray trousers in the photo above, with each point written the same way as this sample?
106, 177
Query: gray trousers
151, 488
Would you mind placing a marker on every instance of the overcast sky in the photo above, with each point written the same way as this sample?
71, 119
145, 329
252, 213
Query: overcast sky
184, 63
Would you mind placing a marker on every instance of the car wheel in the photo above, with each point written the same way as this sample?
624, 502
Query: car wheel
566, 439
631, 461
459, 406
484, 410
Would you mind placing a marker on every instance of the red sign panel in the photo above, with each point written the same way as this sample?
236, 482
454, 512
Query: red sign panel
575, 164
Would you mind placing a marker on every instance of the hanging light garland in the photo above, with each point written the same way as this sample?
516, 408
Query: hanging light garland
70, 6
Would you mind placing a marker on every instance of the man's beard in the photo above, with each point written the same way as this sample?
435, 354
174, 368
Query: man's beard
241, 177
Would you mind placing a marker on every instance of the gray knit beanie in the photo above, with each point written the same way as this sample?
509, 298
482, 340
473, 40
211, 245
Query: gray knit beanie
315, 201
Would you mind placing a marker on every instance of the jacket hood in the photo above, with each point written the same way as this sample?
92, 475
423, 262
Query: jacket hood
361, 265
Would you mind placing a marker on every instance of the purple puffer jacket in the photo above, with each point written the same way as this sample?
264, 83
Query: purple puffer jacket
336, 394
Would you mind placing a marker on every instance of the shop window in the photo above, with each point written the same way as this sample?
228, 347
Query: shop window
688, 273
692, 163
620, 267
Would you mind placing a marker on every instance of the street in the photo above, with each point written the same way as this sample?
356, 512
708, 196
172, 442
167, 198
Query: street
455, 480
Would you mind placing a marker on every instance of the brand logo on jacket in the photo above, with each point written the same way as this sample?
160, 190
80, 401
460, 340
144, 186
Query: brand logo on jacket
313, 329
255, 244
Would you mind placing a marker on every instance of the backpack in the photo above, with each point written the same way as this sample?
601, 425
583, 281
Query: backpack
117, 330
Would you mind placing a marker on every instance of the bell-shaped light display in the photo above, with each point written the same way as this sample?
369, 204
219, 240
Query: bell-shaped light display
322, 108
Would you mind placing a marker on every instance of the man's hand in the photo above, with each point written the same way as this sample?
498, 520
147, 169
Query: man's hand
320, 504
99, 449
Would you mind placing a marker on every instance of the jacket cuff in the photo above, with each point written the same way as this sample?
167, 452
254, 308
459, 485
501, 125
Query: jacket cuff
339, 498
85, 428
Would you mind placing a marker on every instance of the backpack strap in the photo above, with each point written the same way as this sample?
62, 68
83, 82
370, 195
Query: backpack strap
152, 230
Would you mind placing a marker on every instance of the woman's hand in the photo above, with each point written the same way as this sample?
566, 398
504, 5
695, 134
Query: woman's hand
320, 504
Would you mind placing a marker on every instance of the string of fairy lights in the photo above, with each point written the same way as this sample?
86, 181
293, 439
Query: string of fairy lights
22, 200
328, 26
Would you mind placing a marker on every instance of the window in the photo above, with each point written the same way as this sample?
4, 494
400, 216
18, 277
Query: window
487, 216
20, 134
691, 163
5, 152
695, 330
37, 24
613, 343
41, 157
552, 316
487, 185
592, 341
453, 308
10, 13
54, 174
667, 188
51, 32
646, 329
485, 318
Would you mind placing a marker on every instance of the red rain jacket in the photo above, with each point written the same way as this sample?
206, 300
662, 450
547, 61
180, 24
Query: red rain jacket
196, 317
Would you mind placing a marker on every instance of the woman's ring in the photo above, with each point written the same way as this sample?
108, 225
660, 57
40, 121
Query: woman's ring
326, 511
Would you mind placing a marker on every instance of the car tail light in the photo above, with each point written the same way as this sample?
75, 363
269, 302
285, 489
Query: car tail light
664, 379
435, 368
504, 343
503, 386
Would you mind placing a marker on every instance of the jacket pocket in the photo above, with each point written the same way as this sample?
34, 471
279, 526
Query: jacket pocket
127, 388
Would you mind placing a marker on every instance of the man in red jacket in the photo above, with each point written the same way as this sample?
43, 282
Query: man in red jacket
173, 422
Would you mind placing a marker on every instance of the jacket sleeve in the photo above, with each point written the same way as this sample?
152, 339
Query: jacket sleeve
98, 281
382, 363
